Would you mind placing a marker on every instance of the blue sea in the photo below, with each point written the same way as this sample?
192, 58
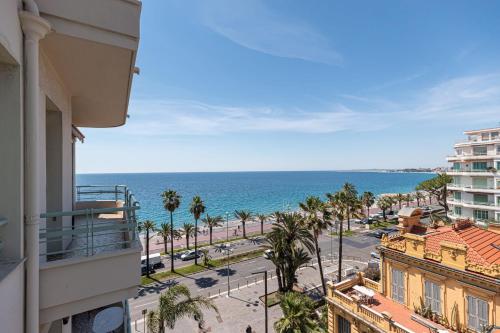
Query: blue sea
259, 192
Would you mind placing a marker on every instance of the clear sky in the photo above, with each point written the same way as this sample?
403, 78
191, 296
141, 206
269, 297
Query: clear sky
303, 85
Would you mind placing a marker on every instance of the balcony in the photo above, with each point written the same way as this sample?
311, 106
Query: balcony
381, 314
472, 172
489, 205
89, 257
473, 188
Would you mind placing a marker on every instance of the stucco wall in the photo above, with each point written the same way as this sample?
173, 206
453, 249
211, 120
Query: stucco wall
12, 311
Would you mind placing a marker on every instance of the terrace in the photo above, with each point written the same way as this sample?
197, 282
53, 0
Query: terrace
380, 313
79, 248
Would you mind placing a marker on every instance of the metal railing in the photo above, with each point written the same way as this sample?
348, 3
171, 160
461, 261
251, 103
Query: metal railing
86, 232
102, 192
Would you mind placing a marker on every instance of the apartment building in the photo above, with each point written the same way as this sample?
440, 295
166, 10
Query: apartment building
66, 253
475, 191
433, 279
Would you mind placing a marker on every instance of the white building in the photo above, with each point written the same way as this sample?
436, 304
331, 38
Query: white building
475, 191
64, 64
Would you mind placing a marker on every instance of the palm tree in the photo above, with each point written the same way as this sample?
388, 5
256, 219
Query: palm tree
212, 222
312, 207
262, 219
197, 208
290, 237
244, 216
419, 196
399, 198
339, 203
368, 199
206, 257
177, 303
352, 202
165, 232
298, 311
384, 203
148, 226
188, 230
408, 198
171, 201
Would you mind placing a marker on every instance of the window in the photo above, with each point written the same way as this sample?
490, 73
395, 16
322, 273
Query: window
479, 151
456, 166
477, 313
480, 198
458, 211
479, 182
480, 214
498, 150
344, 326
433, 296
479, 165
494, 135
485, 136
457, 196
398, 286
458, 151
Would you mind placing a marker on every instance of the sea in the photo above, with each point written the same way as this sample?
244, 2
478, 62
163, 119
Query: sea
258, 192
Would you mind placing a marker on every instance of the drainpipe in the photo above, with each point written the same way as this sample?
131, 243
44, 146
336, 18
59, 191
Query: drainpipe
34, 28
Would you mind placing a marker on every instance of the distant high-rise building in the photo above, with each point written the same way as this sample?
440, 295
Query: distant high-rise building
475, 191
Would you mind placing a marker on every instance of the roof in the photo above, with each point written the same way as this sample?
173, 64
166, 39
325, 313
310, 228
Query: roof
482, 245
409, 212
482, 130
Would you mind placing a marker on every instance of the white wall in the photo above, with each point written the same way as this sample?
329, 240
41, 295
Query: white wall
12, 301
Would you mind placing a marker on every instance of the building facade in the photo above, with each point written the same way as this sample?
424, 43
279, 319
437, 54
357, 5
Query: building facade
64, 254
433, 279
475, 191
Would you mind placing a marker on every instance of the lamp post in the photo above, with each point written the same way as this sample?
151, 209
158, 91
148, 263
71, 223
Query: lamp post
227, 251
265, 297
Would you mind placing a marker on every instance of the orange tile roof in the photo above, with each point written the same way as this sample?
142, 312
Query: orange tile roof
481, 243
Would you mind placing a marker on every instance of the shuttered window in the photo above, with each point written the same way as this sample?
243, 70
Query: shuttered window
398, 286
433, 296
344, 326
477, 313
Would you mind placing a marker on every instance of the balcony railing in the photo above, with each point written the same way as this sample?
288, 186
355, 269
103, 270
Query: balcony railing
472, 170
471, 202
96, 226
473, 187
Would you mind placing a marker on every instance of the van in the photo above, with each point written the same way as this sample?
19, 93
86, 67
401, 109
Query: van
154, 260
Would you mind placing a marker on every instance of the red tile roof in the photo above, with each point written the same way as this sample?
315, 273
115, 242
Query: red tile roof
483, 246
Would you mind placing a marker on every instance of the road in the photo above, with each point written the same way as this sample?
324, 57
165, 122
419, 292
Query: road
211, 281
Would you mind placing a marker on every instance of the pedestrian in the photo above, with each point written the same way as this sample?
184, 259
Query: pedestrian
249, 329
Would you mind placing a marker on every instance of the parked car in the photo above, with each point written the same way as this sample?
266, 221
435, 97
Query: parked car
367, 220
268, 254
384, 231
143, 269
154, 260
190, 254
375, 255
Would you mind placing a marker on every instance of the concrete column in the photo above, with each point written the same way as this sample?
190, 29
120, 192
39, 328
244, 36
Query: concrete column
66, 325
34, 29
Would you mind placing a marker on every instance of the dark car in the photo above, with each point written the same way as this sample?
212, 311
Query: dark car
384, 231
367, 220
143, 269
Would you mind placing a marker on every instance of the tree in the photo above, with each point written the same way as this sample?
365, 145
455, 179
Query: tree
339, 206
288, 239
206, 257
419, 196
437, 186
368, 199
408, 198
351, 201
197, 208
384, 203
312, 207
212, 222
188, 230
298, 311
399, 199
148, 226
244, 216
171, 201
262, 219
177, 303
165, 232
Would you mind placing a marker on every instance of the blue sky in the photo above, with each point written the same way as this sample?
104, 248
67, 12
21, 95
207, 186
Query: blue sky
298, 85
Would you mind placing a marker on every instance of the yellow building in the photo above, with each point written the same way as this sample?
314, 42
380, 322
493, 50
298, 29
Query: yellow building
433, 279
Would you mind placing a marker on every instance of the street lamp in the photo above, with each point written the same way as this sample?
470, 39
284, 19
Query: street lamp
265, 296
227, 250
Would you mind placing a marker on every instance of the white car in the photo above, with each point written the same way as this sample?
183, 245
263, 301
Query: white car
268, 254
190, 254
